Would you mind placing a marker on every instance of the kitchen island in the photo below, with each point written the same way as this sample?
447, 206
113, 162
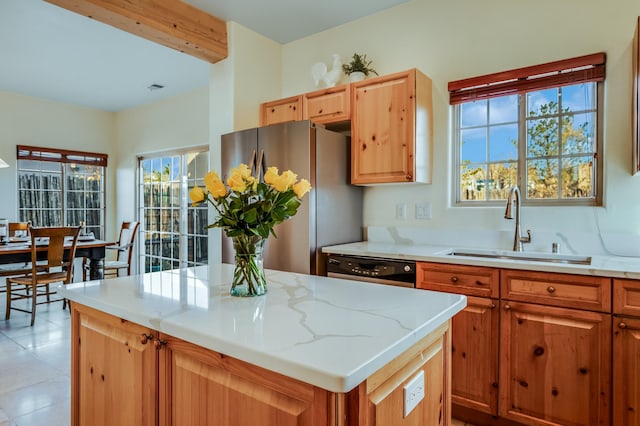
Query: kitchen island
174, 348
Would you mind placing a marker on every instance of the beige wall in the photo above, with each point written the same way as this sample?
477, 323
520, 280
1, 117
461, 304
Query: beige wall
450, 40
31, 121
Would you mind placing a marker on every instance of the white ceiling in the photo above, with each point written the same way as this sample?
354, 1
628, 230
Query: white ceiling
51, 53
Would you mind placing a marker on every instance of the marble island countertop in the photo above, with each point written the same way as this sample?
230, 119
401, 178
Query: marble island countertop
600, 265
328, 332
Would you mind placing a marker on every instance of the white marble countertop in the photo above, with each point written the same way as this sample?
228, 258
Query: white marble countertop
328, 332
601, 265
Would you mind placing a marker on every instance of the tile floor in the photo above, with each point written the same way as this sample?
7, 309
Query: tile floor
35, 365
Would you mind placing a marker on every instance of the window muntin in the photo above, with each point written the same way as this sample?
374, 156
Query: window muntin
53, 191
550, 149
164, 185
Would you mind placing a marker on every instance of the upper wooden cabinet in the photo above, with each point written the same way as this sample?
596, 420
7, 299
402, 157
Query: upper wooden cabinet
391, 129
281, 110
327, 106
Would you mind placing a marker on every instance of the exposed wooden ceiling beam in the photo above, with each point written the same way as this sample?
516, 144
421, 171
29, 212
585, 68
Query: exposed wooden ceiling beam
170, 23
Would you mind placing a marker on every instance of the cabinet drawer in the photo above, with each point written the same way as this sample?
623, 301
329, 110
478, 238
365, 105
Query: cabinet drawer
626, 297
461, 279
564, 290
281, 111
326, 106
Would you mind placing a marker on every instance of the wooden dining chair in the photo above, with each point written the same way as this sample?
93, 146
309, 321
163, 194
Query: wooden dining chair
124, 253
56, 268
15, 269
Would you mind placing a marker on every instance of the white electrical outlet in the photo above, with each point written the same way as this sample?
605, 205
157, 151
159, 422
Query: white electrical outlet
401, 211
413, 393
423, 211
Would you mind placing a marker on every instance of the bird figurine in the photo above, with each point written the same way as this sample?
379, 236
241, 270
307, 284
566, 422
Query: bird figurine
329, 77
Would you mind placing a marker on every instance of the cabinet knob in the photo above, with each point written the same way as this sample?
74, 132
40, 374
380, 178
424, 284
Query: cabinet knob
454, 279
144, 338
159, 343
551, 289
492, 306
622, 325
507, 307
478, 282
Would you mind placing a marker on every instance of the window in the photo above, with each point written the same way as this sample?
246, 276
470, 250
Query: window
164, 184
534, 127
60, 187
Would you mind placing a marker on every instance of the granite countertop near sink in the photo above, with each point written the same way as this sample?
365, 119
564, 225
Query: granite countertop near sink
601, 265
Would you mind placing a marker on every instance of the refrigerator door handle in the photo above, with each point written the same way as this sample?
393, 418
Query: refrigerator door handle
260, 164
253, 160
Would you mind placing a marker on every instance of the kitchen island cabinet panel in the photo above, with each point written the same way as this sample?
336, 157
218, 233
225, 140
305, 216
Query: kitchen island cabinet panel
113, 370
203, 387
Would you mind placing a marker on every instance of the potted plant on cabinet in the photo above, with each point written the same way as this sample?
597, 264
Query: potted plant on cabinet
358, 68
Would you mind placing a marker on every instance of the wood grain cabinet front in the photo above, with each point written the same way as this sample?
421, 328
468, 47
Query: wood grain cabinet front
126, 374
281, 111
626, 371
392, 129
626, 352
114, 367
555, 365
474, 332
327, 106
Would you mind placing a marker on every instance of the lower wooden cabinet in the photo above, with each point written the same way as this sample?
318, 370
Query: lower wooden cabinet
626, 371
554, 365
114, 370
203, 387
126, 374
474, 356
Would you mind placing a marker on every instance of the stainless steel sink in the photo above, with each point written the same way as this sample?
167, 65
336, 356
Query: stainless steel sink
524, 256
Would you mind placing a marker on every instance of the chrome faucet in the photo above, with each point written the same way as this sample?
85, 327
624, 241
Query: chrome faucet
518, 240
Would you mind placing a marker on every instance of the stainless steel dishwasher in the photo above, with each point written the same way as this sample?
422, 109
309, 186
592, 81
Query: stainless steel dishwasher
372, 269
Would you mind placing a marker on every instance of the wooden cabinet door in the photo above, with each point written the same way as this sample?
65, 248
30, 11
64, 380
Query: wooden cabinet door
327, 106
113, 378
555, 365
384, 128
281, 110
474, 356
626, 372
202, 387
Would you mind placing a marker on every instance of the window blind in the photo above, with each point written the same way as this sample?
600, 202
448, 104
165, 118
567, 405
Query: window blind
61, 156
539, 77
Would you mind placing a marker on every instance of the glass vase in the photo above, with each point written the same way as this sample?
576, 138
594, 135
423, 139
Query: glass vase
248, 274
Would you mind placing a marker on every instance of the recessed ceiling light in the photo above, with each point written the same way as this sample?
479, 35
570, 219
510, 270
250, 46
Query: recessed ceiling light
155, 87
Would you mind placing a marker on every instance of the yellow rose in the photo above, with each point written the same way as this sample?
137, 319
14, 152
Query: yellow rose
236, 182
218, 189
285, 180
271, 175
243, 170
302, 188
197, 195
211, 180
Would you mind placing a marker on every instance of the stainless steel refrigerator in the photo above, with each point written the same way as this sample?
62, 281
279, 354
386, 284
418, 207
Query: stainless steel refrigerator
330, 214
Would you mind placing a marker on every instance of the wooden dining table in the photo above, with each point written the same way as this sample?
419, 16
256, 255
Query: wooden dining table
94, 250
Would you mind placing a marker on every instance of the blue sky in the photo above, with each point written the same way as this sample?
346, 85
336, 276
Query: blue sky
501, 116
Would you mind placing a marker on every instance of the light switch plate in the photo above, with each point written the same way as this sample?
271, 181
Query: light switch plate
413, 393
401, 211
423, 211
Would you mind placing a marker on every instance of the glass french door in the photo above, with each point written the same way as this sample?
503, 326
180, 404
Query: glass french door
173, 233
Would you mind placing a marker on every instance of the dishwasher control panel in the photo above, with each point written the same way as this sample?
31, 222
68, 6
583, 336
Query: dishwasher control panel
371, 267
